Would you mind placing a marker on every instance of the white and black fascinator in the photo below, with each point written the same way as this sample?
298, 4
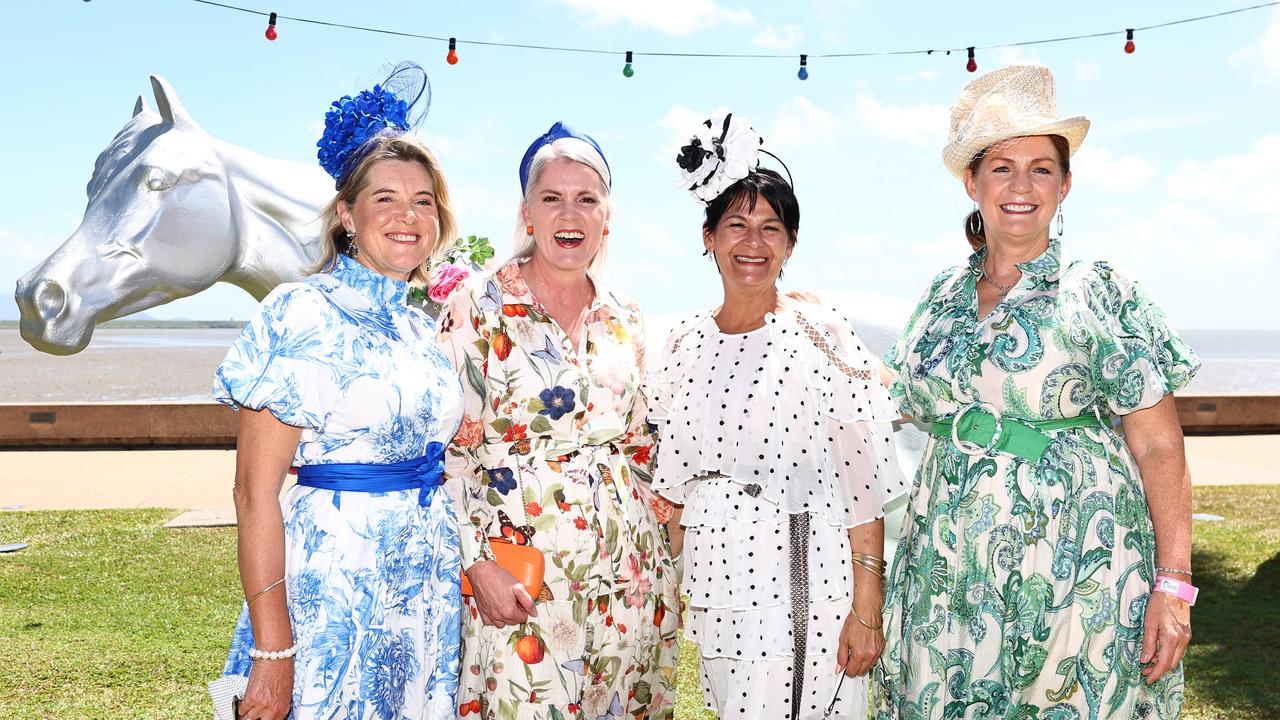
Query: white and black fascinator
724, 149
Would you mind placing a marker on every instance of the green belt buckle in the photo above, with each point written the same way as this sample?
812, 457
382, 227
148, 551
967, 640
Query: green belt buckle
971, 448
1012, 437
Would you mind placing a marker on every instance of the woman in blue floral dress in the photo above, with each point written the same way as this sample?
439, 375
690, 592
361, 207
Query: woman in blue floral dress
351, 577
1044, 572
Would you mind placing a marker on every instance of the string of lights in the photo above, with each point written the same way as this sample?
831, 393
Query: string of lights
628, 68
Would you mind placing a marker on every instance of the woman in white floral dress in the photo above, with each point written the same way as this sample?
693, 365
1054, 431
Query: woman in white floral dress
554, 453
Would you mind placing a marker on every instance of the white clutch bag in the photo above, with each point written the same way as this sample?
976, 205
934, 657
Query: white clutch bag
224, 692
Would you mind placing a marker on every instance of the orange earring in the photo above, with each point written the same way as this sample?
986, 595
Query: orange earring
528, 229
606, 231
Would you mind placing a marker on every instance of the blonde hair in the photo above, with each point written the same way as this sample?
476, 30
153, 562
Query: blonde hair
390, 146
578, 151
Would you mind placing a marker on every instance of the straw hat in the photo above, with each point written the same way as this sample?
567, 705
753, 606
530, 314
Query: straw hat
1012, 102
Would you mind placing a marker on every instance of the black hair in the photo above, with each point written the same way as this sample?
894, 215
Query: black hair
761, 182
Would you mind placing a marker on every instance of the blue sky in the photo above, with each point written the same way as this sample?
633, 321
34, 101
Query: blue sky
1179, 179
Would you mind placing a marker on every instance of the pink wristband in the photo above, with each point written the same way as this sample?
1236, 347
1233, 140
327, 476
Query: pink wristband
1177, 588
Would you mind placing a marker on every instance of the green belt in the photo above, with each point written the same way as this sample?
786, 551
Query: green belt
1027, 439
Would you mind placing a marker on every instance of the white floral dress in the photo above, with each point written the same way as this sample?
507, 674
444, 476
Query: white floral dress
776, 441
372, 578
555, 453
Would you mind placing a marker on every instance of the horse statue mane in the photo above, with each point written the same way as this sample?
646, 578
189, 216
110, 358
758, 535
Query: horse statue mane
171, 211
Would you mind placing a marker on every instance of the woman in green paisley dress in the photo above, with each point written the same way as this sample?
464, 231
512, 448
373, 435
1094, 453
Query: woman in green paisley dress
1023, 586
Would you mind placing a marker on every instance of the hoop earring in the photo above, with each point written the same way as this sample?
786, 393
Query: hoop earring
528, 230
975, 221
1059, 221
353, 250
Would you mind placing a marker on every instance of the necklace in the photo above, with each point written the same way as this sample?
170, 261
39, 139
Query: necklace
1004, 289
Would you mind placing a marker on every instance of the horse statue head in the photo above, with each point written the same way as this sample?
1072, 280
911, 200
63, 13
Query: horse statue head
171, 211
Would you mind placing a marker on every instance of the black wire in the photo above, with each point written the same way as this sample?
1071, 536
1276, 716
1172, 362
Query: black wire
739, 56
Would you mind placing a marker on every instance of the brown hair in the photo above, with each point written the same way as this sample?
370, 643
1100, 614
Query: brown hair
406, 148
974, 229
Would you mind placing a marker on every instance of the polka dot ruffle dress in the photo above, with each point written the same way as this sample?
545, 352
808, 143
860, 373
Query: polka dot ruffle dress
756, 427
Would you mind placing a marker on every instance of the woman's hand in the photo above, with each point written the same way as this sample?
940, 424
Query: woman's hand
860, 646
499, 597
1165, 635
270, 691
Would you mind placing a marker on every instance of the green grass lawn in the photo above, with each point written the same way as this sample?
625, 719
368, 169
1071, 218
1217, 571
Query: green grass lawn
108, 615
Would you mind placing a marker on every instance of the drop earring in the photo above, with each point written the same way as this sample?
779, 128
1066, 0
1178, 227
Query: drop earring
353, 250
1059, 221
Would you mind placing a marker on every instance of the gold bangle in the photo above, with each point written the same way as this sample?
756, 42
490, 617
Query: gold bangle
865, 624
264, 591
870, 562
872, 568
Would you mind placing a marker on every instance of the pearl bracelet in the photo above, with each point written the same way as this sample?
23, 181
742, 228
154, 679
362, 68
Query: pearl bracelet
256, 654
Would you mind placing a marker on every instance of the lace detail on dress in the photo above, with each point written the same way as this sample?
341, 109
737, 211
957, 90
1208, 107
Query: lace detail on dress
821, 343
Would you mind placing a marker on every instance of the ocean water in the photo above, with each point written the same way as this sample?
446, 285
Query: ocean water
125, 365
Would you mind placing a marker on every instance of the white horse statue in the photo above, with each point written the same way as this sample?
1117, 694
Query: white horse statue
171, 211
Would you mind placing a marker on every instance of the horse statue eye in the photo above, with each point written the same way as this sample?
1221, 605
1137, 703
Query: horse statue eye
157, 184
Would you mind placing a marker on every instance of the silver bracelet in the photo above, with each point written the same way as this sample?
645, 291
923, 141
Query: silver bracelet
256, 654
1175, 571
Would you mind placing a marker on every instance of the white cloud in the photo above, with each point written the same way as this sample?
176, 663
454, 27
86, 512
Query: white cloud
1152, 123
1099, 169
781, 39
929, 75
679, 120
799, 122
1236, 182
24, 251
1003, 57
1161, 243
673, 17
1087, 70
440, 144
1262, 57
919, 125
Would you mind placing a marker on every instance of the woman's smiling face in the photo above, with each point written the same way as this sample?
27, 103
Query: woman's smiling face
394, 218
750, 244
1018, 186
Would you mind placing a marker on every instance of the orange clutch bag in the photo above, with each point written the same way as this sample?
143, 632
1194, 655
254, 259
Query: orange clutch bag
527, 564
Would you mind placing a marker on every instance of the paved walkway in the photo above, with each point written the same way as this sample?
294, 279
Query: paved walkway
201, 479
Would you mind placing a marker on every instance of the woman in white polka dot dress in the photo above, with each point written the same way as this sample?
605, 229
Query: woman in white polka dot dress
776, 440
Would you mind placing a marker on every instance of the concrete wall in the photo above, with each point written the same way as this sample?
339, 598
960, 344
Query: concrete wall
207, 425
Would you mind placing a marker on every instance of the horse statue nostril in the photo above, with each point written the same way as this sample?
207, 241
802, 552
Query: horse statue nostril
50, 299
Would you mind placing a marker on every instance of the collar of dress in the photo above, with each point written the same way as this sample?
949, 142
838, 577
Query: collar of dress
376, 289
522, 294
1045, 268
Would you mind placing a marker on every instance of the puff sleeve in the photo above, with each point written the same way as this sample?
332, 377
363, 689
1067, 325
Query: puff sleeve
1135, 357
288, 359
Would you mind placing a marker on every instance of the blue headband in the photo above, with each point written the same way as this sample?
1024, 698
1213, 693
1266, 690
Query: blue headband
557, 132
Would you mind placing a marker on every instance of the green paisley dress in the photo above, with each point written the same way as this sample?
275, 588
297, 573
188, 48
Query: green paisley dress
1019, 589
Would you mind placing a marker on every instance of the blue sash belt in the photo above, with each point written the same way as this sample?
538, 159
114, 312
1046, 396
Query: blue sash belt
425, 473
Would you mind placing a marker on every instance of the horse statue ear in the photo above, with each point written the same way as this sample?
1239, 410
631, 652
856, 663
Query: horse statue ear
140, 107
171, 110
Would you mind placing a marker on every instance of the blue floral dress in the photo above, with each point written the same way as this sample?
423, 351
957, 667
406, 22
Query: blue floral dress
1019, 588
372, 578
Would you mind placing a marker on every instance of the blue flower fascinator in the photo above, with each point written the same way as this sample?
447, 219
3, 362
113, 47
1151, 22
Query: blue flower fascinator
558, 131
396, 105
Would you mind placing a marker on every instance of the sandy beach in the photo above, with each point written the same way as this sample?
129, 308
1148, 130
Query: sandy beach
118, 365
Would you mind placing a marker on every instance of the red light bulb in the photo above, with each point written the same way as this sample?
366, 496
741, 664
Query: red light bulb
271, 27
1129, 47
972, 65
452, 57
